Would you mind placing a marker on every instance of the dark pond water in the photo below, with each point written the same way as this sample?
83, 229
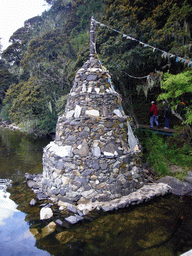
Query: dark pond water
160, 227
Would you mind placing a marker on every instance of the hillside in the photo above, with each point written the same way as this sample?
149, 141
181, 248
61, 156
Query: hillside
38, 68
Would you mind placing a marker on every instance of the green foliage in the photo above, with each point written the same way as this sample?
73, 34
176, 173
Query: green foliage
176, 30
178, 92
4, 113
6, 79
60, 104
51, 47
161, 152
157, 152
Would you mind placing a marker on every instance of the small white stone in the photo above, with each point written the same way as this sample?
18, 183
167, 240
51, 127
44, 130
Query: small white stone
108, 154
136, 148
109, 90
115, 153
92, 112
61, 151
117, 112
94, 69
79, 147
96, 152
73, 93
65, 180
89, 89
95, 143
46, 213
81, 70
97, 90
70, 114
84, 88
77, 111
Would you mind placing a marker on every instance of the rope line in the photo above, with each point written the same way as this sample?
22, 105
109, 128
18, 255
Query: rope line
138, 77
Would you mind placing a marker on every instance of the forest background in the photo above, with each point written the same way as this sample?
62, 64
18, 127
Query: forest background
38, 68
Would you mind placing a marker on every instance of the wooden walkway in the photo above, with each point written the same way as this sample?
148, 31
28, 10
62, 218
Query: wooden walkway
159, 130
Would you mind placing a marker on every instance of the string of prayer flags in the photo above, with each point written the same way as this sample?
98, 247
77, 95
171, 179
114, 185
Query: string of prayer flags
164, 53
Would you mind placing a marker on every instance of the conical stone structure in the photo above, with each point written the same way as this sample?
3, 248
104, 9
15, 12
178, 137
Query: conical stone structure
90, 158
90, 164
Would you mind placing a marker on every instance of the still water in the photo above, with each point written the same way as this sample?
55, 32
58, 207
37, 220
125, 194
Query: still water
160, 227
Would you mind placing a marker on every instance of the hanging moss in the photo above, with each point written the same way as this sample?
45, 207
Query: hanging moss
153, 80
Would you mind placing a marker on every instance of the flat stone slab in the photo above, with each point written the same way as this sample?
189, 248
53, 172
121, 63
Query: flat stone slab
144, 194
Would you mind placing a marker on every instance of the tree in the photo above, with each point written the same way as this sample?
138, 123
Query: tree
177, 91
31, 107
6, 79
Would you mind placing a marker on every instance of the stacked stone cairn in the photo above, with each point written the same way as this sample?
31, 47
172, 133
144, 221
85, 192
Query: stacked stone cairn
91, 163
90, 158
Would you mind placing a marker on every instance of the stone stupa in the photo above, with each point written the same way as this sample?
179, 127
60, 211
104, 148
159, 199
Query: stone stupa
91, 161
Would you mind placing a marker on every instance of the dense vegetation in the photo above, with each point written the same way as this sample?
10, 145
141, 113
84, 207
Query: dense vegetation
37, 69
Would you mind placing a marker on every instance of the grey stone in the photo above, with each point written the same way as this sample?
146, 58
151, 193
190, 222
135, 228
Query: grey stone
126, 184
31, 184
91, 77
29, 176
188, 180
105, 111
87, 172
84, 151
74, 219
40, 196
107, 208
110, 147
103, 198
117, 190
84, 134
62, 192
103, 166
71, 138
125, 192
178, 187
59, 223
74, 122
76, 183
109, 124
71, 208
55, 191
93, 164
82, 180
59, 165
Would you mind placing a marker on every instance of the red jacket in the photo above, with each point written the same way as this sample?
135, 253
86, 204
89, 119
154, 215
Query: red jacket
154, 110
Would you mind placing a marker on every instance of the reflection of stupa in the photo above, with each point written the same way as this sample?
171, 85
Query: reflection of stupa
91, 157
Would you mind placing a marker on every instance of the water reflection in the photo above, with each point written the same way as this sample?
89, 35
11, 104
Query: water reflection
7, 206
19, 153
15, 237
162, 227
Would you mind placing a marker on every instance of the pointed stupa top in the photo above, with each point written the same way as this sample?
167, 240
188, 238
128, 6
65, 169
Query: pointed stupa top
92, 39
